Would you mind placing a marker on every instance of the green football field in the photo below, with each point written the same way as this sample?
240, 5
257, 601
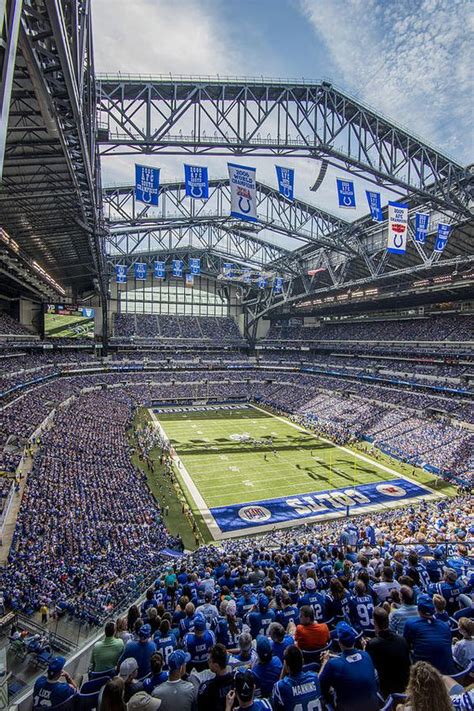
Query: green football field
56, 326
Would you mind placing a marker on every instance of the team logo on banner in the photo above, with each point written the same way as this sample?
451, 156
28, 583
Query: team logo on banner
159, 271
196, 181
120, 273
262, 282
195, 266
286, 181
228, 270
147, 184
278, 285
346, 193
422, 221
442, 237
254, 514
177, 266
140, 271
243, 192
397, 227
189, 280
375, 205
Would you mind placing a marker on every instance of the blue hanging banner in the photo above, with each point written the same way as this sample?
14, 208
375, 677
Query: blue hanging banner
286, 182
375, 205
196, 181
397, 227
442, 237
120, 273
243, 192
160, 271
262, 281
346, 193
422, 221
278, 285
140, 271
195, 266
189, 280
228, 269
147, 184
247, 276
177, 267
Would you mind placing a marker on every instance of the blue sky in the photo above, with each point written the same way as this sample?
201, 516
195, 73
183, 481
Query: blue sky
410, 59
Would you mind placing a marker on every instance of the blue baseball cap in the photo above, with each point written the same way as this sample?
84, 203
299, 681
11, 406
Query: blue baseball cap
345, 634
177, 659
199, 623
264, 648
263, 601
56, 665
246, 589
425, 604
145, 631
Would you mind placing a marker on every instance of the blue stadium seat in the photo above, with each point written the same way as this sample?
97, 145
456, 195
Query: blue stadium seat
109, 673
465, 676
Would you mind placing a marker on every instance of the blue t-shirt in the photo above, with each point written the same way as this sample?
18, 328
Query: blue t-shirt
362, 612
430, 640
259, 622
317, 601
199, 647
47, 694
297, 693
155, 680
165, 645
278, 648
266, 675
286, 615
141, 651
352, 677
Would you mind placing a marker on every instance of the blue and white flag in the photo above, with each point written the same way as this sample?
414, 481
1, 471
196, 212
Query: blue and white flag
442, 237
228, 269
422, 221
147, 184
177, 266
160, 271
375, 205
262, 281
120, 273
247, 276
195, 265
346, 193
196, 181
140, 271
243, 192
397, 227
278, 285
189, 279
286, 182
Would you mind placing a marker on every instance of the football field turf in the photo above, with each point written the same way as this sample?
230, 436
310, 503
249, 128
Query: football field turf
56, 326
241, 465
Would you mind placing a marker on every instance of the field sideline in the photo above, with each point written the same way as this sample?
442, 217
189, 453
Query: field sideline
219, 470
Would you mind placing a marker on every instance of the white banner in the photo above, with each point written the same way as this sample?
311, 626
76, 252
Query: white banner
243, 192
397, 227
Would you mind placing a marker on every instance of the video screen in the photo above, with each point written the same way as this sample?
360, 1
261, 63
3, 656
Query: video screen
66, 321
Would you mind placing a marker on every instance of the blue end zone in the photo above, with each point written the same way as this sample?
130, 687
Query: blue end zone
320, 503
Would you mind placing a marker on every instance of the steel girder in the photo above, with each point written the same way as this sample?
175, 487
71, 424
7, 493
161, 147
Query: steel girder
10, 15
251, 117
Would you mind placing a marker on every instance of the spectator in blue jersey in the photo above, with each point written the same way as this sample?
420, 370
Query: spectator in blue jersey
55, 687
245, 655
315, 599
198, 644
212, 693
165, 641
261, 617
350, 677
450, 588
157, 676
297, 689
246, 601
406, 611
417, 571
268, 668
140, 650
361, 608
150, 601
337, 601
435, 566
244, 693
228, 628
187, 623
288, 612
280, 640
370, 533
208, 610
428, 638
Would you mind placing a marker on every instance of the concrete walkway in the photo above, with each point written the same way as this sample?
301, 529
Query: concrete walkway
10, 521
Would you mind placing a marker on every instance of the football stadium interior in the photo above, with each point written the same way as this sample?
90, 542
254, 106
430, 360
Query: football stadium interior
236, 422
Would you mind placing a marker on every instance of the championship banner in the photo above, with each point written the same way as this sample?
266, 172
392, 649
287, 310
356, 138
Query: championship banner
397, 227
228, 269
262, 282
189, 280
120, 274
286, 182
147, 184
422, 221
375, 205
177, 268
442, 237
195, 266
160, 271
278, 285
140, 271
196, 181
243, 192
247, 276
346, 193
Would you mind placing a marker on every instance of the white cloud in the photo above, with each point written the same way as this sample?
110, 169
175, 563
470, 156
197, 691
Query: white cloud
411, 60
